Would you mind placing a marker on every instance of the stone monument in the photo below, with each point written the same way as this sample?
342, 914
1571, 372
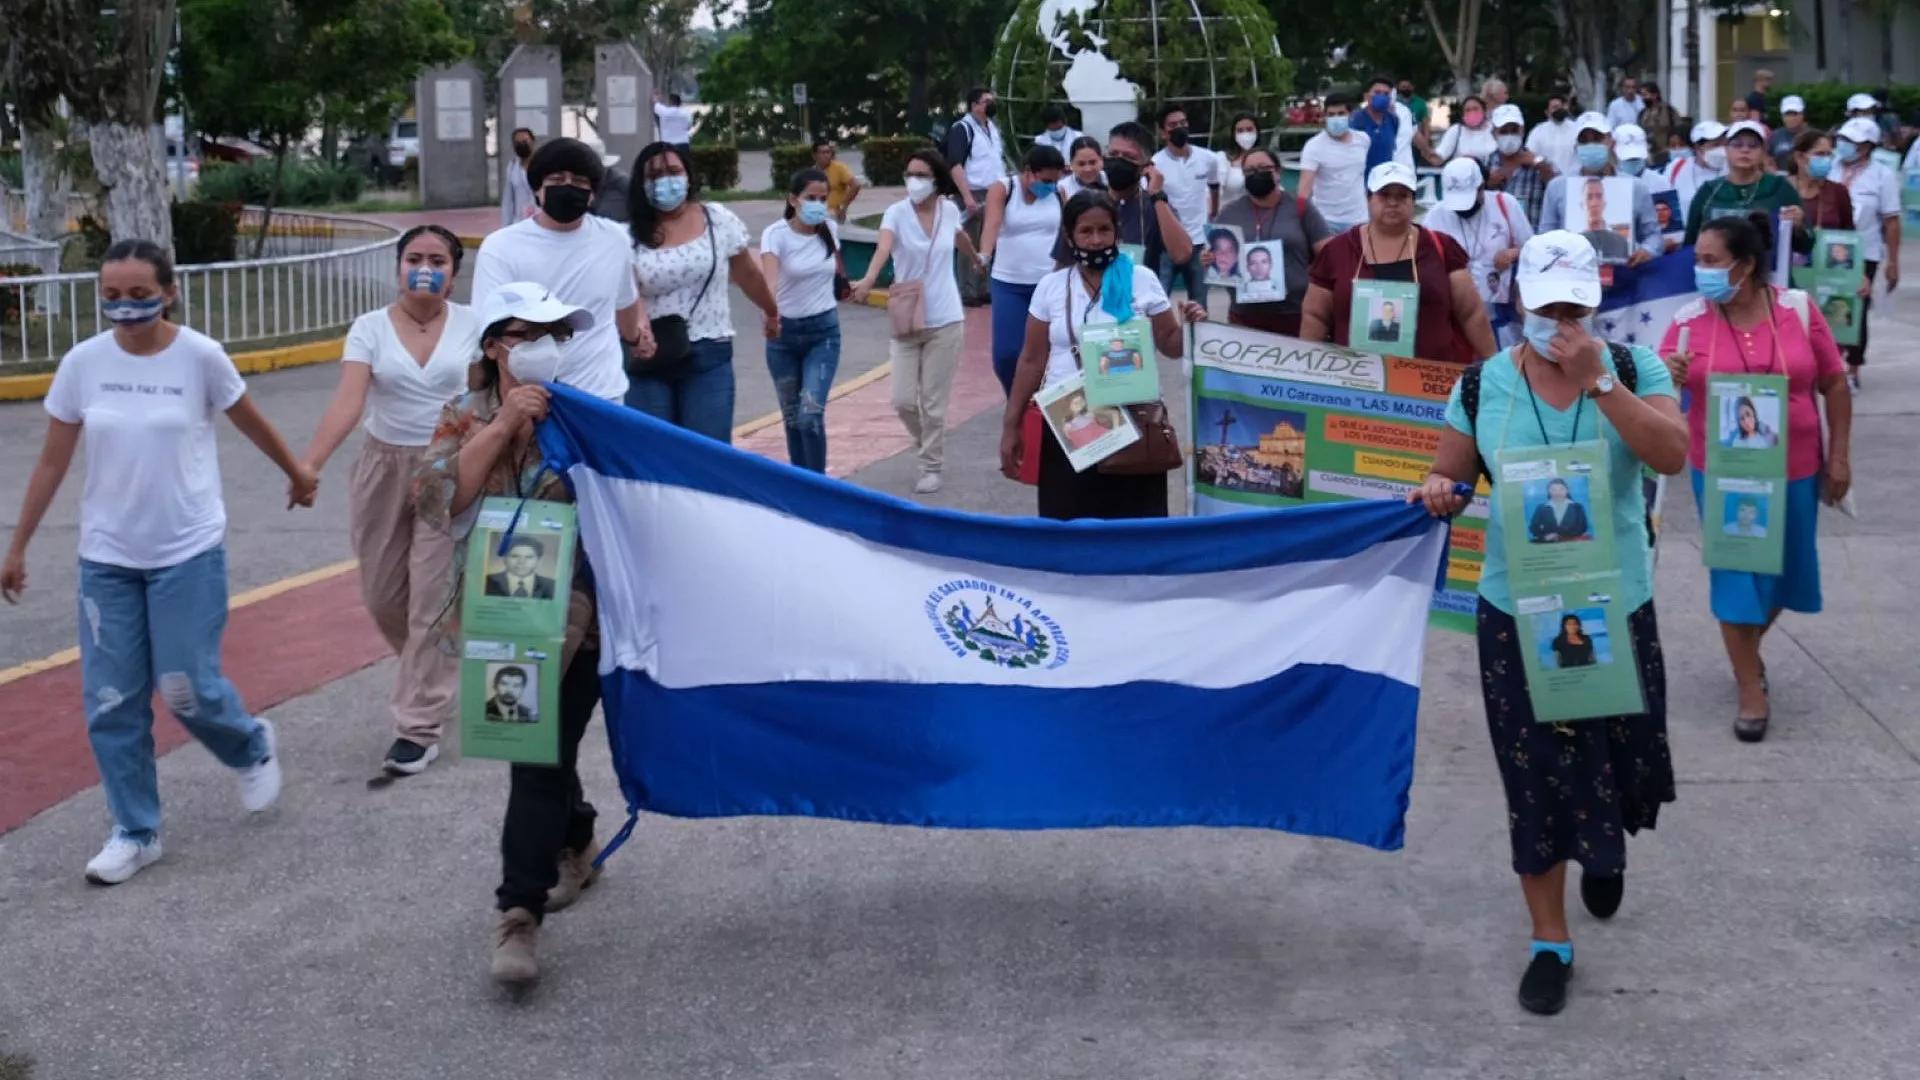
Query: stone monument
529, 98
450, 103
623, 87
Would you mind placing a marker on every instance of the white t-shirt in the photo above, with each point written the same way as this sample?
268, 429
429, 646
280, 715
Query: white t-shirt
1188, 185
1063, 294
405, 400
587, 266
1500, 224
1876, 197
152, 495
671, 277
676, 123
1686, 177
916, 257
1555, 142
1463, 141
1070, 184
1060, 140
986, 154
806, 270
1233, 180
1023, 254
1340, 175
1403, 135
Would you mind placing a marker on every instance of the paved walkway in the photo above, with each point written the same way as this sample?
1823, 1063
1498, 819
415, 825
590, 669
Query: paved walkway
1768, 927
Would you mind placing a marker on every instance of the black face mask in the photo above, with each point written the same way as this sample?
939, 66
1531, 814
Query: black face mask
1096, 258
1178, 136
565, 203
523, 149
992, 109
1559, 116
1122, 174
1261, 184
1471, 210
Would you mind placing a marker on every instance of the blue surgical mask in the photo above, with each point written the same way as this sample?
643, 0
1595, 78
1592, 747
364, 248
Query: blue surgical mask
1819, 166
1337, 126
1380, 102
1633, 166
1845, 152
1539, 331
133, 312
426, 279
813, 212
1043, 189
1681, 154
667, 192
1714, 283
1593, 155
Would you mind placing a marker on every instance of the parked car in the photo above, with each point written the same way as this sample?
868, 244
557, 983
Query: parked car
403, 144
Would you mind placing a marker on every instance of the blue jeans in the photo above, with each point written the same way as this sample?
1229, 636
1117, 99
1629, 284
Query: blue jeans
142, 628
1009, 329
1194, 274
802, 361
700, 399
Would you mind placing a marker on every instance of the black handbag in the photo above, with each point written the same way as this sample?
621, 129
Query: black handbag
671, 344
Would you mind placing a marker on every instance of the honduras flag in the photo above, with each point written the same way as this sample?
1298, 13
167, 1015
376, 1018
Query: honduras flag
777, 642
1640, 304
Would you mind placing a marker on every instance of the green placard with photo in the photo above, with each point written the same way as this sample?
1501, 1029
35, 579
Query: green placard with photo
1384, 317
1833, 281
510, 698
1118, 363
1743, 512
519, 569
1555, 508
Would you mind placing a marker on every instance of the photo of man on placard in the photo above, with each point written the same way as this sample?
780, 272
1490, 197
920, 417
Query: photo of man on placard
519, 575
513, 694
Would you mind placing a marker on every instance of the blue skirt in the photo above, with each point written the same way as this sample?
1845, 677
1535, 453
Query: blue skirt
1747, 599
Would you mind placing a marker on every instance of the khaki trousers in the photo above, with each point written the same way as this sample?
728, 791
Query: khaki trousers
923, 366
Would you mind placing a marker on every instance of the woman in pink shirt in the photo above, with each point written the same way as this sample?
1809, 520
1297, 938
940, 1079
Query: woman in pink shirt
1744, 324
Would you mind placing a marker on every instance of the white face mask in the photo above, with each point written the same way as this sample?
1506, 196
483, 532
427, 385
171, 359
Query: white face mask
1246, 139
919, 187
535, 361
1715, 157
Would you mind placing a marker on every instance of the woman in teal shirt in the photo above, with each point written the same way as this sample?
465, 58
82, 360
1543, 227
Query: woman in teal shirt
1574, 790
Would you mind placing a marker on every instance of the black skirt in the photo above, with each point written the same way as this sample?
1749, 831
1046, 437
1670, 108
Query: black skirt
1575, 790
1066, 495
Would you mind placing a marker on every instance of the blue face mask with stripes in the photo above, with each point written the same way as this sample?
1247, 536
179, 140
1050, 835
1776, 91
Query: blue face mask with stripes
133, 312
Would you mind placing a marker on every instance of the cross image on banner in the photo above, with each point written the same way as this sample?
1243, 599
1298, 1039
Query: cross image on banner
1280, 422
774, 641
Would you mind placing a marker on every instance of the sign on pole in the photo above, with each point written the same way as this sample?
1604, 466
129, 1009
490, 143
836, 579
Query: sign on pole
799, 93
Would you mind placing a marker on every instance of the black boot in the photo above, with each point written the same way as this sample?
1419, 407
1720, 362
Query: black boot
1602, 895
1543, 989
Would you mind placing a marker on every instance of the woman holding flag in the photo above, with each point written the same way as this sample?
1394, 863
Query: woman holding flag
1574, 789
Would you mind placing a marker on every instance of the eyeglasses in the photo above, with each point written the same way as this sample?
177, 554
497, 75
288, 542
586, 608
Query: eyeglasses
560, 332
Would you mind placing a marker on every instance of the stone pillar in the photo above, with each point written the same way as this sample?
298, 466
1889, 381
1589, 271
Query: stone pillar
451, 104
529, 98
623, 89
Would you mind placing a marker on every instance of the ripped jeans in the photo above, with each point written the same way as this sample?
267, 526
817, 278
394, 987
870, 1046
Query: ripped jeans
142, 629
803, 359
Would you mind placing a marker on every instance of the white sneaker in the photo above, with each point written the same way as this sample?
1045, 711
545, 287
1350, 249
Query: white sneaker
121, 859
927, 484
260, 784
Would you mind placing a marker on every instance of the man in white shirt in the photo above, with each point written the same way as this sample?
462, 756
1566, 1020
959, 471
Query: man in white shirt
1333, 167
1056, 132
1709, 161
583, 258
1626, 108
516, 198
1405, 134
1192, 184
978, 154
1631, 149
1876, 216
675, 122
1554, 138
1492, 227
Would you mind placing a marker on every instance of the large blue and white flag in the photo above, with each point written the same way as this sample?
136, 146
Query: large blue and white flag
1639, 306
778, 642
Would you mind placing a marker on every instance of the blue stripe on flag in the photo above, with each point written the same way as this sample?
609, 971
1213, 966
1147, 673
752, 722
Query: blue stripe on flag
615, 441
1318, 749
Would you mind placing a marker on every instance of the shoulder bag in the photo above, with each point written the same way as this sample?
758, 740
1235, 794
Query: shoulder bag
907, 299
671, 344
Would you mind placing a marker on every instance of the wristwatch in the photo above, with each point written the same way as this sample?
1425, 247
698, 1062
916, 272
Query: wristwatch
1157, 197
1602, 386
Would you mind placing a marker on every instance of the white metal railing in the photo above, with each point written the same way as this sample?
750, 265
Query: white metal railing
338, 268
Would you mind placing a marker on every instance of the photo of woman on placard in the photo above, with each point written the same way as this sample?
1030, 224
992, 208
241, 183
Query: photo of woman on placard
1572, 648
1748, 431
1560, 518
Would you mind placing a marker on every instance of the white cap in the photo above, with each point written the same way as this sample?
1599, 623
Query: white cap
1792, 103
1860, 130
1508, 114
1459, 183
1388, 173
1592, 121
531, 302
1862, 101
1630, 142
1755, 127
1558, 267
1707, 131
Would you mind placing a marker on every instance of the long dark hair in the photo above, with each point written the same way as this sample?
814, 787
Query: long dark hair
942, 172
643, 221
1084, 202
1233, 146
798, 184
1747, 240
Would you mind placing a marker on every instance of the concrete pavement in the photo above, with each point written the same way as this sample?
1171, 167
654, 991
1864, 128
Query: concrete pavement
1770, 926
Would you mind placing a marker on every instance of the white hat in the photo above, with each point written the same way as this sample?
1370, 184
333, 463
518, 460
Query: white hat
1459, 183
1707, 131
1630, 142
1862, 101
1592, 121
1860, 130
1792, 103
531, 303
1558, 267
1755, 127
1388, 173
1508, 114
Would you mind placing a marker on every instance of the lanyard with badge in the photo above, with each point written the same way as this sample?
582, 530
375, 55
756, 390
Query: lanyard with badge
1117, 362
1743, 495
1384, 316
1555, 509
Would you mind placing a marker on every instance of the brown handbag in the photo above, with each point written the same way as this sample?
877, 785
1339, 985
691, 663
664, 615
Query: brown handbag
907, 298
1158, 448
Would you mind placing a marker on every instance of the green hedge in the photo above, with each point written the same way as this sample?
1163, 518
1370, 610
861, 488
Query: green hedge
306, 183
716, 167
1827, 101
205, 232
790, 158
12, 171
886, 157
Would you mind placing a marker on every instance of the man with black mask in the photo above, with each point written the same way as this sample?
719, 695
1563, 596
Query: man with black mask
1148, 224
976, 153
583, 257
516, 198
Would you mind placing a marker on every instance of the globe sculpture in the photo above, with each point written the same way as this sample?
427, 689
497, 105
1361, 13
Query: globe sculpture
1117, 60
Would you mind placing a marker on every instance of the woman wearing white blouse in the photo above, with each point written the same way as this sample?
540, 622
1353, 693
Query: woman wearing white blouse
800, 255
402, 364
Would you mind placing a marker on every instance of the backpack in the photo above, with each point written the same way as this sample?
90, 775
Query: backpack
958, 145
